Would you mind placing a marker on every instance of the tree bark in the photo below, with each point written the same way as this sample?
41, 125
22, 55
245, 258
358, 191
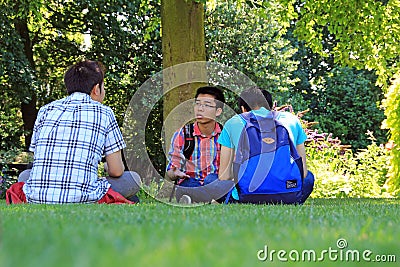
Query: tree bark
182, 24
28, 109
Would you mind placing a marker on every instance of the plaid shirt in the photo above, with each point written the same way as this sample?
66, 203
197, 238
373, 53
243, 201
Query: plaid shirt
69, 139
205, 158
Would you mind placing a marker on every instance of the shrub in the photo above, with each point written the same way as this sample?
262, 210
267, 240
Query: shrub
5, 181
392, 122
348, 106
339, 171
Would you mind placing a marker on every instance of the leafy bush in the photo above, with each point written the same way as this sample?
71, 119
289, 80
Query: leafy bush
392, 112
348, 105
5, 182
11, 128
240, 37
340, 172
8, 176
344, 174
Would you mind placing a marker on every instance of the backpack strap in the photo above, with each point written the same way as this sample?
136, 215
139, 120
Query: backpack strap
189, 140
246, 116
188, 147
293, 150
126, 168
228, 196
249, 117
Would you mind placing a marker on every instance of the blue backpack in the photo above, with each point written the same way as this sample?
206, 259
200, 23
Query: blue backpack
267, 167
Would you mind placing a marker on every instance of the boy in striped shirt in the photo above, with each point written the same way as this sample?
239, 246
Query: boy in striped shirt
197, 175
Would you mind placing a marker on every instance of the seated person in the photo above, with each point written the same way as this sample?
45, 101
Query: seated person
258, 102
200, 168
69, 138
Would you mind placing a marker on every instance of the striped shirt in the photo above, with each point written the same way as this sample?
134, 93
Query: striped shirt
205, 158
69, 138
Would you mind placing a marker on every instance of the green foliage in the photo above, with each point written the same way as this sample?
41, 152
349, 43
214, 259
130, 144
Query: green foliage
9, 176
15, 156
340, 173
336, 96
11, 127
95, 30
16, 82
5, 182
237, 36
312, 66
348, 106
365, 32
124, 35
372, 164
155, 139
392, 122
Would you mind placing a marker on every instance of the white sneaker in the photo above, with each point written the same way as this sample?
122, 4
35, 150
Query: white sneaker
213, 201
185, 199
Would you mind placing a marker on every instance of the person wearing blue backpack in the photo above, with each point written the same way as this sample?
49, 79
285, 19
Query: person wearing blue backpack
263, 152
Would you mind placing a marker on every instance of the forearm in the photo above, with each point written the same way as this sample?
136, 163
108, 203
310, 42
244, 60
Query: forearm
301, 150
225, 168
115, 166
175, 162
225, 174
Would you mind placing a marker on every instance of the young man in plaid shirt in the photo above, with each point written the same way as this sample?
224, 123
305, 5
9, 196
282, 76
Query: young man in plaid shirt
70, 137
198, 175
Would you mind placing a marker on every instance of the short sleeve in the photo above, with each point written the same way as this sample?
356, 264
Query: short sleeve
231, 132
301, 135
36, 128
114, 140
175, 154
293, 124
224, 139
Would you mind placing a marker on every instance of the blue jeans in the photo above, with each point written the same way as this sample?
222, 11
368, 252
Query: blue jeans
212, 188
308, 186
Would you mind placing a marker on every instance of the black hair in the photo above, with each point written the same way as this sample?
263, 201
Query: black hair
82, 76
214, 91
268, 97
255, 97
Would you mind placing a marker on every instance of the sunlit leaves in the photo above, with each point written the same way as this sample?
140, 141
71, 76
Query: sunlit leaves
367, 32
239, 37
392, 122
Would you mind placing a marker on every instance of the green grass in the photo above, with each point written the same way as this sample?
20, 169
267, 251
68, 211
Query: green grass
156, 234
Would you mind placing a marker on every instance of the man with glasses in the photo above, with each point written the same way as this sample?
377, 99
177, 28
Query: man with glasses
197, 174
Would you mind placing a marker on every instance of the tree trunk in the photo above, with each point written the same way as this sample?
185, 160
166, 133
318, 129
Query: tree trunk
182, 24
28, 109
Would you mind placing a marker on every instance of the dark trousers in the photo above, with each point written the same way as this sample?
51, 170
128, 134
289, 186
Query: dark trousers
212, 188
128, 184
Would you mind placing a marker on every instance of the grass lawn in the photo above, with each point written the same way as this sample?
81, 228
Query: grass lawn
156, 234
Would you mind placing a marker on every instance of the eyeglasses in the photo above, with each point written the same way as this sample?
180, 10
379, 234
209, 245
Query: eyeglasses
198, 105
